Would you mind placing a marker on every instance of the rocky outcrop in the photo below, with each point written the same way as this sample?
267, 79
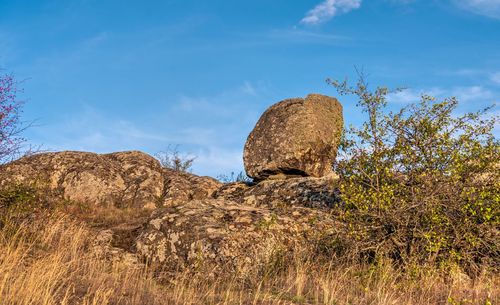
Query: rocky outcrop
104, 248
321, 193
295, 137
198, 223
123, 179
182, 187
215, 233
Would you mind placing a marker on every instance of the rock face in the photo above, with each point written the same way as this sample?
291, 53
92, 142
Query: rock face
215, 233
245, 225
295, 137
319, 193
199, 224
123, 179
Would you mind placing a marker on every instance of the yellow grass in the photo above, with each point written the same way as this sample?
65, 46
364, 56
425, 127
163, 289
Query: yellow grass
52, 261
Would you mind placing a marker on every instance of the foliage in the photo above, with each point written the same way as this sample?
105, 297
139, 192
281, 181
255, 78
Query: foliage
171, 158
421, 185
20, 202
10, 125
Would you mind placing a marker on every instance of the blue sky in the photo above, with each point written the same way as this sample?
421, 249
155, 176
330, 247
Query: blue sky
108, 75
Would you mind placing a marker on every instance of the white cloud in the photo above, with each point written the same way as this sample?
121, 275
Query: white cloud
225, 104
408, 96
298, 35
480, 75
464, 94
495, 77
7, 49
328, 9
91, 130
215, 161
212, 128
489, 8
248, 88
472, 93
402, 1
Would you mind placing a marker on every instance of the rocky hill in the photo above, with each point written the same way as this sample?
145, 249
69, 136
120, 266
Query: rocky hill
289, 155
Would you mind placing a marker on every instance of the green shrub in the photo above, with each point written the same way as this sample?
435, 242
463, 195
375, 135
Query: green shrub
421, 185
18, 204
17, 198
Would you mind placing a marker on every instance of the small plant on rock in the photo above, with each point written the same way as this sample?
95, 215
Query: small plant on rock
240, 177
171, 158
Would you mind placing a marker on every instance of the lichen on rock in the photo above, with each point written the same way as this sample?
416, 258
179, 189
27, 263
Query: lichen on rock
217, 233
320, 193
295, 137
124, 179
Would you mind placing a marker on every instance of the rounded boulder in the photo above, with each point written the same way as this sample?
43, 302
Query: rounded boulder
295, 137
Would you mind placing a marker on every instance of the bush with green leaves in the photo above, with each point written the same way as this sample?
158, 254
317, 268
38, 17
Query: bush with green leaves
421, 185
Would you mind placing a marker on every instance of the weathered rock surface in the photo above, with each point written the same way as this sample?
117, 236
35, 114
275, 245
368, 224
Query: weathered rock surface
182, 187
214, 233
197, 222
309, 192
295, 137
104, 248
123, 179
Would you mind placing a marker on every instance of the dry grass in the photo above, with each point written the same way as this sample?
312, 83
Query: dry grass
52, 261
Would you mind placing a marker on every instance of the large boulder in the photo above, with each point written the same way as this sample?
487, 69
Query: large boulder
124, 179
220, 235
295, 137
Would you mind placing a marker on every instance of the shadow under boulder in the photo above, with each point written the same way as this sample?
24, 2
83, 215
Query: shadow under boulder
320, 193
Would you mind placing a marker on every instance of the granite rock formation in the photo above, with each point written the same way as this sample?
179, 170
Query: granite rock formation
295, 137
124, 179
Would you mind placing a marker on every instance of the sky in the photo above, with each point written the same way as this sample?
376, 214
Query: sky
109, 75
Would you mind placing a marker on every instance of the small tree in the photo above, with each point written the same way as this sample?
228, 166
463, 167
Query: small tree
10, 125
420, 185
171, 158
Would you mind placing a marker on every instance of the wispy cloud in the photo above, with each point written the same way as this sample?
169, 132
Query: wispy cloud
215, 161
224, 105
249, 89
213, 128
7, 52
328, 9
478, 75
489, 8
464, 94
472, 93
92, 130
466, 72
402, 1
408, 96
471, 98
495, 77
300, 36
